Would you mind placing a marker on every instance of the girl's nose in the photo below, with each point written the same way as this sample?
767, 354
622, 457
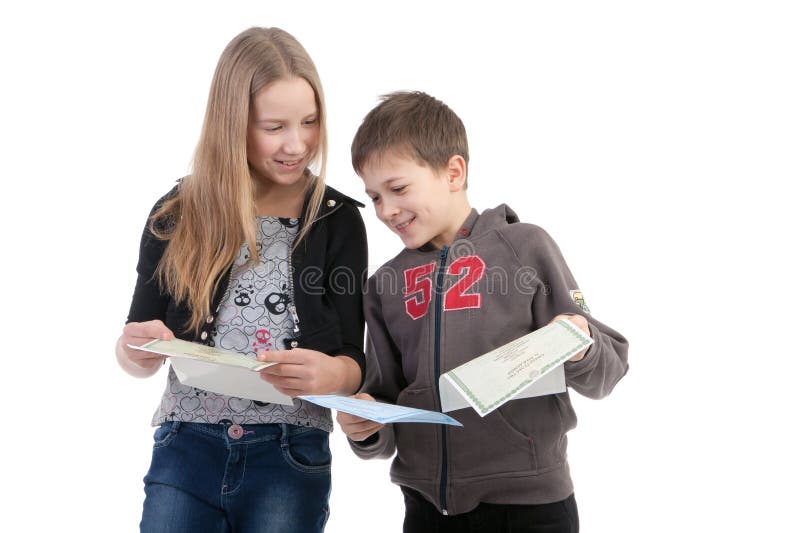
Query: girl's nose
293, 142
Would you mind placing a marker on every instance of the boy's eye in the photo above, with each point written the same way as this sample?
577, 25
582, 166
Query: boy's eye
374, 198
399, 188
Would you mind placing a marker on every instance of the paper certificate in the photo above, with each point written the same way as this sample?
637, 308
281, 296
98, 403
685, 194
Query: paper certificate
216, 370
489, 381
193, 350
383, 413
553, 382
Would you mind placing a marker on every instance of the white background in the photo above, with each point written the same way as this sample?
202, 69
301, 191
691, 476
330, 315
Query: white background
656, 141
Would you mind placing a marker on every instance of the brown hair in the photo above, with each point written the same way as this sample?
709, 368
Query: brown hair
214, 210
415, 124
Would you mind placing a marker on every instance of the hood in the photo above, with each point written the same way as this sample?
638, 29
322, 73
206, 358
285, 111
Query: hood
490, 219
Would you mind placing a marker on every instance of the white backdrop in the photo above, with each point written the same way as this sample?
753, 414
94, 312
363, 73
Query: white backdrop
657, 143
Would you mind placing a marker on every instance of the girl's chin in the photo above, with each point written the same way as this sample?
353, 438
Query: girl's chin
280, 178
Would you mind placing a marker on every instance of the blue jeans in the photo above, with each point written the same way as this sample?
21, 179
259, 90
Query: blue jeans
223, 478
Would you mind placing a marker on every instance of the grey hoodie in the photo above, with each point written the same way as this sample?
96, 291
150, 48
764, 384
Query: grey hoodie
429, 311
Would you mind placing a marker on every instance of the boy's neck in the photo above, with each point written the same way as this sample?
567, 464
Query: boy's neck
460, 214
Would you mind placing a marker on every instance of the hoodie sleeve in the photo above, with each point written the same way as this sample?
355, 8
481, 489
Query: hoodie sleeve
384, 378
606, 361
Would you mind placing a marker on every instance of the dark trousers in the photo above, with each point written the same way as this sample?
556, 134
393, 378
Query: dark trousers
557, 517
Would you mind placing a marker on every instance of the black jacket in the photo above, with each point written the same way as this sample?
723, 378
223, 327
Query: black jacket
329, 270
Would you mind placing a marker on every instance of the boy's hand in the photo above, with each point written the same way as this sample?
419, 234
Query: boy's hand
301, 371
582, 323
355, 427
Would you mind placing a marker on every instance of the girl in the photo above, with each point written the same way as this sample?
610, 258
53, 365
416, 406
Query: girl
252, 253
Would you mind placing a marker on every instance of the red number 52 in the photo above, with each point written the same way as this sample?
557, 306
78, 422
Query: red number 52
419, 287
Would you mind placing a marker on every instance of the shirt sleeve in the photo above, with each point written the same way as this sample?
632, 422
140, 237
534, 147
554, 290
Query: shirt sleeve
148, 302
606, 361
347, 267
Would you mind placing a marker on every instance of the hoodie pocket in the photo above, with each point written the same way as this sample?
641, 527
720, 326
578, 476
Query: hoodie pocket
541, 420
418, 445
488, 446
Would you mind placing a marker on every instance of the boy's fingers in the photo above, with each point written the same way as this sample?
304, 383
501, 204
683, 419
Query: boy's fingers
361, 434
363, 396
356, 424
346, 418
358, 437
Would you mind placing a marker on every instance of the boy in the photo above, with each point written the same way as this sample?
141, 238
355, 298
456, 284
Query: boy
465, 284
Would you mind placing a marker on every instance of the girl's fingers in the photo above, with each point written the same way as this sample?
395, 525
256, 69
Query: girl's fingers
284, 370
283, 382
154, 329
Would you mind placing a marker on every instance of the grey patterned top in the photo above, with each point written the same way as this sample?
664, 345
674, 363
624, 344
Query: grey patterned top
252, 317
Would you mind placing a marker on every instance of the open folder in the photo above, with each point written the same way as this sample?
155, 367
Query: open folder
217, 370
531, 365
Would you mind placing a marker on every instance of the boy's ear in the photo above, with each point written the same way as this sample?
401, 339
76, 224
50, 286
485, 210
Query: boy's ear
456, 173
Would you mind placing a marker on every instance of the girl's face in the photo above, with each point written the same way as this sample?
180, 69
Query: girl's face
283, 131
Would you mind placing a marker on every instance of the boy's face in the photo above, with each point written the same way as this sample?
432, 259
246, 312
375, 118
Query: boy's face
414, 201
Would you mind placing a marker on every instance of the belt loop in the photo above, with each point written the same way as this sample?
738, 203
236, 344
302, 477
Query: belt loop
284, 435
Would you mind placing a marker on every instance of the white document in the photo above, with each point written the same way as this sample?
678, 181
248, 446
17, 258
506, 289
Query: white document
553, 382
385, 413
514, 370
217, 370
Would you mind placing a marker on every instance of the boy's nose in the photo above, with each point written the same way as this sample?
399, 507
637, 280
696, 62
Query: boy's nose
387, 210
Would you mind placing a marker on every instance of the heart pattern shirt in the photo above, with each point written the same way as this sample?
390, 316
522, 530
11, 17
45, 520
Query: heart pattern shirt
252, 317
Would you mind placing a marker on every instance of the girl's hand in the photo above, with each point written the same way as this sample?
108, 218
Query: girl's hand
301, 371
137, 362
582, 323
355, 427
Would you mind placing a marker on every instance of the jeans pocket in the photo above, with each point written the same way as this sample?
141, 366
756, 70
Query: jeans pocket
307, 451
164, 434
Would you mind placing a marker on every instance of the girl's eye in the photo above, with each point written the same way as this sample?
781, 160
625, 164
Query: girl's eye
310, 122
374, 198
399, 188
272, 128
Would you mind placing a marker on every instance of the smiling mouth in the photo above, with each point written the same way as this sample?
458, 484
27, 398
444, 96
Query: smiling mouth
402, 226
287, 163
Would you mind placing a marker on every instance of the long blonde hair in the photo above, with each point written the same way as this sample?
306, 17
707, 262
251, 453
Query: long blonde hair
214, 209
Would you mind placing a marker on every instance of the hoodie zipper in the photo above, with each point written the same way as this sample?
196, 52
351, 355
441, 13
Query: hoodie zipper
437, 371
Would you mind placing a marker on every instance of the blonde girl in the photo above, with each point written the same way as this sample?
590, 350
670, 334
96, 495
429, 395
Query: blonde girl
251, 252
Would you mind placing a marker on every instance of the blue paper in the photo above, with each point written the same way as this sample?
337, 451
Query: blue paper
384, 413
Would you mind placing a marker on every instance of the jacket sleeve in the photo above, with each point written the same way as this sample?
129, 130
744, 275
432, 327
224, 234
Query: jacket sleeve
148, 302
606, 361
384, 379
347, 267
